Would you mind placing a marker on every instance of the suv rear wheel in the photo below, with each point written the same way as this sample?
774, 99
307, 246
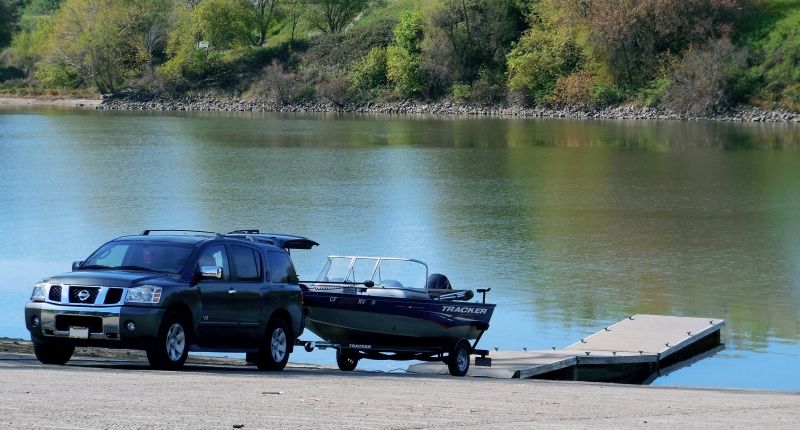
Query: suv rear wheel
172, 345
52, 354
274, 353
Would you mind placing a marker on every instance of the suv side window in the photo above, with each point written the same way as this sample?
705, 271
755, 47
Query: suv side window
247, 263
281, 268
215, 255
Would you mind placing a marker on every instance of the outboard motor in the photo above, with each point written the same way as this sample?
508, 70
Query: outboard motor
437, 281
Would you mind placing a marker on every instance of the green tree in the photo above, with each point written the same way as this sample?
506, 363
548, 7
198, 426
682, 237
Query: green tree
466, 36
262, 14
403, 57
100, 42
9, 18
332, 16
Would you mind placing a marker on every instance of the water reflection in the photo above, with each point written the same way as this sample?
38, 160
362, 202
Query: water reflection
574, 224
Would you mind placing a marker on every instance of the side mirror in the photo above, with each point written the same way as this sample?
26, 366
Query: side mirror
76, 265
369, 284
211, 272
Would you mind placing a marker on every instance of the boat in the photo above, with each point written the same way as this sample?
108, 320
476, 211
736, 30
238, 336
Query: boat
391, 308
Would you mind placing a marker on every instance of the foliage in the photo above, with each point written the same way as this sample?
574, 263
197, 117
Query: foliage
42, 7
9, 17
409, 32
370, 71
340, 50
778, 60
403, 71
465, 36
702, 82
332, 16
635, 37
539, 60
102, 42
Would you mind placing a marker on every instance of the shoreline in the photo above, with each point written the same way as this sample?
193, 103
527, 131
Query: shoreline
740, 113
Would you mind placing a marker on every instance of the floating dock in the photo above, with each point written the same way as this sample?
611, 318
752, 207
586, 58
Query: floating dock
635, 350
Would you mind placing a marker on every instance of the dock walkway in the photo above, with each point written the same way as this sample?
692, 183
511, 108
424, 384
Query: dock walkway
634, 350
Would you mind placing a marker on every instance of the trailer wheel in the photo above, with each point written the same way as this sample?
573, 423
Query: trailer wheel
458, 360
346, 359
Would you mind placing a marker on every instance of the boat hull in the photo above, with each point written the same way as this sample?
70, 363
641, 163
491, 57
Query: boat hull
374, 321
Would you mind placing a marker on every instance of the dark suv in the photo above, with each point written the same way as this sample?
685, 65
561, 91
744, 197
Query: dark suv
167, 292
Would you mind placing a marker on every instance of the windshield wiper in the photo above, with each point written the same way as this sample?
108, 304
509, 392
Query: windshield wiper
94, 267
138, 268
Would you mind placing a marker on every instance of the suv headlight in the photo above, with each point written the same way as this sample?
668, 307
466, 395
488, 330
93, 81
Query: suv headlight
39, 293
144, 294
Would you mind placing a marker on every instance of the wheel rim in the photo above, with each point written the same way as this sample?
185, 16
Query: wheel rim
278, 345
462, 360
176, 342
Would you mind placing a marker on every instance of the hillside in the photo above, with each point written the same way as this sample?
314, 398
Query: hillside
698, 57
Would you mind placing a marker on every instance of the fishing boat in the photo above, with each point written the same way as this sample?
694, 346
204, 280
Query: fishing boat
390, 308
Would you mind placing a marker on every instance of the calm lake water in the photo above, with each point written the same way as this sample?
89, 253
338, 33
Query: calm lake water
573, 224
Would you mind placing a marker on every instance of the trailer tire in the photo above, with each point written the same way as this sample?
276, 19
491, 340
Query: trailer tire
458, 360
346, 360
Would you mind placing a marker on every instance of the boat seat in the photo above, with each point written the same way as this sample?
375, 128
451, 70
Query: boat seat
392, 288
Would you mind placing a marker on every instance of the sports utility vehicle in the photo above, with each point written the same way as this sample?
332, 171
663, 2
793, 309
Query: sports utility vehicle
171, 291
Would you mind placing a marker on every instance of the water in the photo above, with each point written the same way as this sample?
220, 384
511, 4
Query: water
574, 224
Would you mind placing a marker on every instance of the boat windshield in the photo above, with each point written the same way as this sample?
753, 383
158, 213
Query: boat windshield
386, 272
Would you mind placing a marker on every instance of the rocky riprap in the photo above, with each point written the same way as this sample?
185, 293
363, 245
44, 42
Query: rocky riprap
147, 102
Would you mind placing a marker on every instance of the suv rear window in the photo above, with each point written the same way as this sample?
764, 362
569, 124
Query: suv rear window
281, 268
247, 264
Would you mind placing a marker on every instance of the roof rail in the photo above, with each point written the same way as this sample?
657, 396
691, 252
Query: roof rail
246, 231
209, 233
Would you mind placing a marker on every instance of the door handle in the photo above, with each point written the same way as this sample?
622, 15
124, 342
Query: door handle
231, 291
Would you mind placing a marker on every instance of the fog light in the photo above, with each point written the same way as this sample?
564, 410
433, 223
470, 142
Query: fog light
35, 321
131, 326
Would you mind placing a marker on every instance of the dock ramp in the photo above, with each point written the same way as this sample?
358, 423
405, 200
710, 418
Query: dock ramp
635, 350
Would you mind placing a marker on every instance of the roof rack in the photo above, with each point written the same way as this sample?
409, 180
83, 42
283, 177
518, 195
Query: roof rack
208, 233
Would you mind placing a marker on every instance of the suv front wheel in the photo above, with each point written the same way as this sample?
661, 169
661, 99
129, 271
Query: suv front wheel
172, 345
274, 353
52, 354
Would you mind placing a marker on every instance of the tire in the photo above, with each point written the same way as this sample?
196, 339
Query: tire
52, 354
274, 353
458, 360
346, 359
172, 344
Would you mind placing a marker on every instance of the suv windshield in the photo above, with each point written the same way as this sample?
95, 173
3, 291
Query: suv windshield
152, 256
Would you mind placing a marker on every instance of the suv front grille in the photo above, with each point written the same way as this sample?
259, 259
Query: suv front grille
55, 293
113, 296
83, 295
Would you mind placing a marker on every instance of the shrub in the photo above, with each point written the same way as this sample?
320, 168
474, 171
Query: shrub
703, 79
461, 92
370, 71
537, 62
275, 84
336, 89
340, 50
403, 70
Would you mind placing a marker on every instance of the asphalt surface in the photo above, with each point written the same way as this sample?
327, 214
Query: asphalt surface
112, 393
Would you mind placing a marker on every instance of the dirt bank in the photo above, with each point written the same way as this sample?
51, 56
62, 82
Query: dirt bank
42, 101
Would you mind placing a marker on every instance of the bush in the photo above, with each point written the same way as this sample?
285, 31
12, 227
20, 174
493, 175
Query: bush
403, 70
276, 84
370, 71
340, 50
537, 62
55, 76
336, 89
703, 80
461, 92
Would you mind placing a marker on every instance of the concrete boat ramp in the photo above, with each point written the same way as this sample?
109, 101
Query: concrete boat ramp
635, 350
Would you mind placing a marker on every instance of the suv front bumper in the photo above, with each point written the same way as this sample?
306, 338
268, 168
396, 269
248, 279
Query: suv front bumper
105, 326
